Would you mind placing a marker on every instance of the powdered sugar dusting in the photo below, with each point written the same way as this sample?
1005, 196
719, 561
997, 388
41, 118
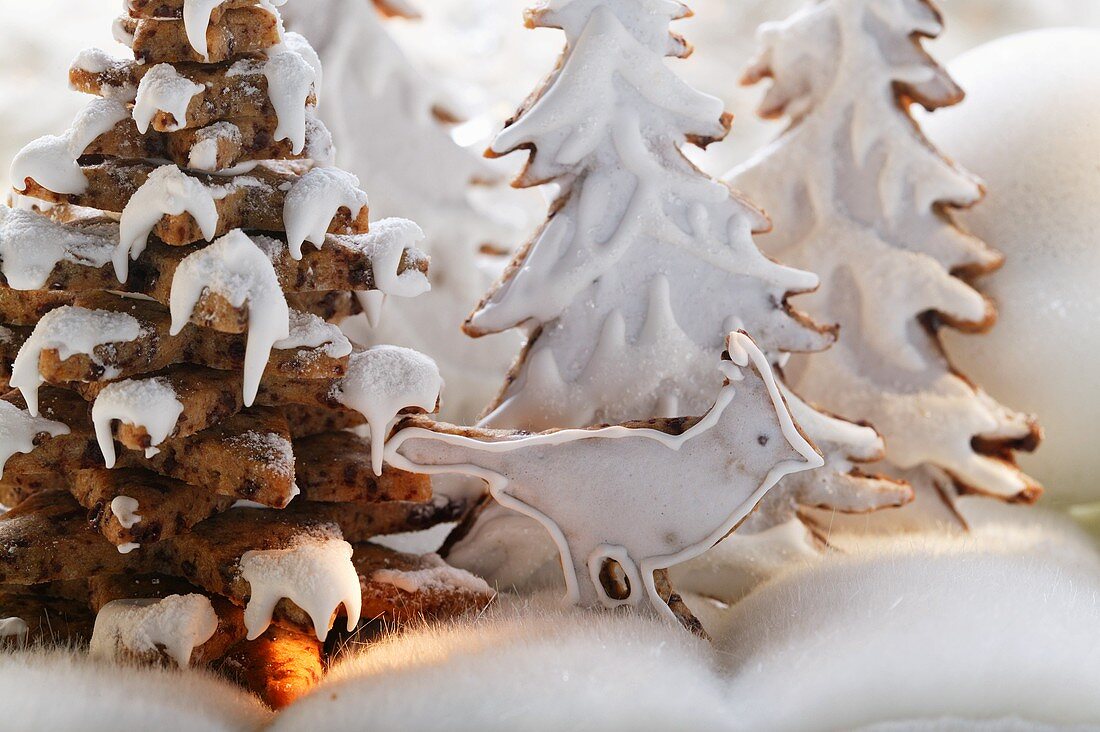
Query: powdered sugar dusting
317, 576
271, 448
310, 331
176, 625
70, 331
18, 430
31, 246
235, 268
148, 403
381, 382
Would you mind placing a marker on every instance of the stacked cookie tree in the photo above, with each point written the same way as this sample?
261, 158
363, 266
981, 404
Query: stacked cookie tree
177, 450
643, 268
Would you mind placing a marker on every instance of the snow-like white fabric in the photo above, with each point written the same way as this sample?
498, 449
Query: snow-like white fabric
530, 666
997, 630
43, 691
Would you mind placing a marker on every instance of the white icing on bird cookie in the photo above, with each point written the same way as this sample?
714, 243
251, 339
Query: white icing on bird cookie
317, 576
646, 498
234, 268
70, 331
149, 403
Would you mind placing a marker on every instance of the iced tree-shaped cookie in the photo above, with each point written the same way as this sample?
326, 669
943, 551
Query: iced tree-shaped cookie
414, 169
646, 263
861, 198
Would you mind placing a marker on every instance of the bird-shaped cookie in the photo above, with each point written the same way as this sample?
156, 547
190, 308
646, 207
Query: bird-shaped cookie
645, 495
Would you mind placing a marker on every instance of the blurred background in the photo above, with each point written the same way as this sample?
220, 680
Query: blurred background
479, 51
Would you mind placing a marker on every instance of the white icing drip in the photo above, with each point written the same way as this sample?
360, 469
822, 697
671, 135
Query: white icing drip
204, 153
148, 403
438, 576
176, 625
604, 493
381, 382
319, 145
128, 547
70, 331
167, 191
196, 21
162, 89
299, 44
51, 161
373, 302
291, 76
125, 510
310, 331
18, 430
31, 246
386, 242
239, 271
14, 628
316, 576
314, 201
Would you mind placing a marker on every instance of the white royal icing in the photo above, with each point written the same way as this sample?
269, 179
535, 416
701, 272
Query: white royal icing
51, 161
167, 191
149, 403
32, 245
19, 428
176, 626
385, 244
70, 331
381, 382
313, 202
125, 512
163, 89
647, 264
239, 271
869, 219
644, 498
310, 331
438, 576
14, 628
317, 576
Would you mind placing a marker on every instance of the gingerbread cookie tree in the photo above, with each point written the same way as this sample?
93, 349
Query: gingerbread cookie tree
872, 216
176, 447
414, 169
646, 263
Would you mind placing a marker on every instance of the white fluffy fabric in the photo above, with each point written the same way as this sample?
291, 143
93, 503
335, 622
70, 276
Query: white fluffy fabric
49, 690
998, 629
